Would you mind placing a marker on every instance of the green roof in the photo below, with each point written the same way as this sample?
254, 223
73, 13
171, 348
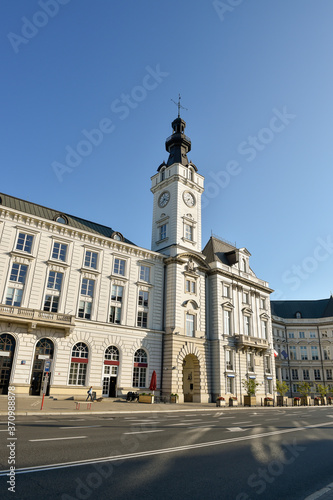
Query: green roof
50, 214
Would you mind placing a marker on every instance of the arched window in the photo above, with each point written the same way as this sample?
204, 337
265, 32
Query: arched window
79, 362
140, 368
112, 353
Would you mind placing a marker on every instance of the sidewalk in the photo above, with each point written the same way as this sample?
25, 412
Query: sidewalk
31, 405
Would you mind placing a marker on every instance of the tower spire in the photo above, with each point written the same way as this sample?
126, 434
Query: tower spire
178, 144
179, 105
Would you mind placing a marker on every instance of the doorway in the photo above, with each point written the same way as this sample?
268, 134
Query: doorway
191, 379
7, 349
43, 355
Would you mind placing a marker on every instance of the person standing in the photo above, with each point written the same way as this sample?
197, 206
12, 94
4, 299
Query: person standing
89, 393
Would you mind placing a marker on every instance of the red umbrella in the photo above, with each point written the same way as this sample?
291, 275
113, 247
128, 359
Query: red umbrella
152, 386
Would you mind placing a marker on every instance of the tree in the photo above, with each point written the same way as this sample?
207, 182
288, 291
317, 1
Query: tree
282, 387
250, 386
304, 388
322, 389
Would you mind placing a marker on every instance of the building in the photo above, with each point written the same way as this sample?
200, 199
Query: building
82, 305
303, 340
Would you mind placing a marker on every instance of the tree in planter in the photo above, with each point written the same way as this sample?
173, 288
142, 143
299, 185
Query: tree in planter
282, 387
304, 388
323, 390
250, 386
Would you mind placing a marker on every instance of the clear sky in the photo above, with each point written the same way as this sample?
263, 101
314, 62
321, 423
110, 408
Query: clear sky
256, 78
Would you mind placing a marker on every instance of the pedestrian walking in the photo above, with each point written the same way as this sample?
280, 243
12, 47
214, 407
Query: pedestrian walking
89, 393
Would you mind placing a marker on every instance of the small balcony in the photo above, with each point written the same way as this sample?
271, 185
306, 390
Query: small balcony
245, 341
34, 317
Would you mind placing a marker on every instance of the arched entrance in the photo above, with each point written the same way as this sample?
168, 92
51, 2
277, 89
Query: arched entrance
111, 365
7, 349
41, 367
191, 379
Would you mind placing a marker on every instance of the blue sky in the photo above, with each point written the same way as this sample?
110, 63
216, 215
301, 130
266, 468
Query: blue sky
256, 79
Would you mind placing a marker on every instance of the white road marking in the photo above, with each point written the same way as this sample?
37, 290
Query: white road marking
57, 439
247, 422
235, 429
80, 426
143, 432
116, 458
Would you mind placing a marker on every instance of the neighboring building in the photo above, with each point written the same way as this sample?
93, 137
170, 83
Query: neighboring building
81, 305
303, 339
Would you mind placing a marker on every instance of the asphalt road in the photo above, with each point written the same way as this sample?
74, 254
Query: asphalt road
236, 454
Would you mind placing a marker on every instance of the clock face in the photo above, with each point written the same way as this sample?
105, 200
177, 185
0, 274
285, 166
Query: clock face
189, 199
164, 199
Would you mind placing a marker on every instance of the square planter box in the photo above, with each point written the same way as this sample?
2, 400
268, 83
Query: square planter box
268, 403
281, 401
317, 402
173, 399
250, 401
146, 399
220, 402
233, 402
297, 402
305, 401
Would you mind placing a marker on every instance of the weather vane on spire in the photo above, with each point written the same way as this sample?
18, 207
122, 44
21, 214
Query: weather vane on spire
179, 105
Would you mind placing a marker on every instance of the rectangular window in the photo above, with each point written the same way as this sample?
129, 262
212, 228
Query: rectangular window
59, 251
314, 352
226, 291
246, 297
145, 273
312, 335
306, 375
85, 309
190, 325
190, 286
188, 232
227, 322
117, 293
119, 267
77, 374
18, 273
304, 352
267, 364
142, 319
87, 287
291, 335
229, 360
230, 385
294, 374
163, 232
295, 388
55, 280
327, 353
264, 329
292, 352
51, 303
139, 376
329, 374
90, 259
24, 242
250, 362
263, 303
301, 335
247, 330
14, 297
143, 298
115, 315
317, 375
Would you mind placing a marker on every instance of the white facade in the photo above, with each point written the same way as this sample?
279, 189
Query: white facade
108, 313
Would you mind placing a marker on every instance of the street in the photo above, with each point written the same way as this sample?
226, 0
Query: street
235, 454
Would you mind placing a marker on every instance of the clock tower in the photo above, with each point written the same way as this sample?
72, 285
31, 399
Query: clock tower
177, 189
